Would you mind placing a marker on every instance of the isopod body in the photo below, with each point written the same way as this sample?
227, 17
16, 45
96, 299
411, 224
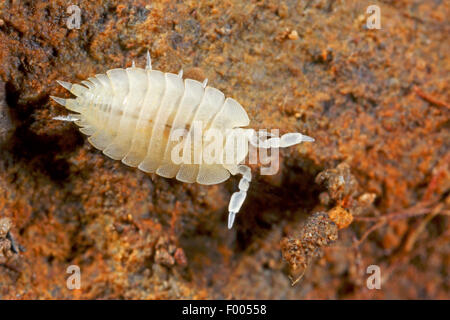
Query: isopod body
132, 114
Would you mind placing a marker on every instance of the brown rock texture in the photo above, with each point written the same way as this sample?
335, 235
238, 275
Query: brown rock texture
376, 101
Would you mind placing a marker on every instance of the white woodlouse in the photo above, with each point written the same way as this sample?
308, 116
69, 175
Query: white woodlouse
131, 113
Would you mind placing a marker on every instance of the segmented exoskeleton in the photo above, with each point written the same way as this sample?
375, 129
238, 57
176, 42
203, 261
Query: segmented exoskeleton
133, 114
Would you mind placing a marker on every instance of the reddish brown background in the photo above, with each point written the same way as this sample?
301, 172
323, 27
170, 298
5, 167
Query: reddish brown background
374, 99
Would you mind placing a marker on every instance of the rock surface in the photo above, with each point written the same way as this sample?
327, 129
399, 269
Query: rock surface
376, 100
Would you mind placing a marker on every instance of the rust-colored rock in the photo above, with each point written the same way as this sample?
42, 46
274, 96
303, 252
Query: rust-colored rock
374, 100
6, 245
341, 217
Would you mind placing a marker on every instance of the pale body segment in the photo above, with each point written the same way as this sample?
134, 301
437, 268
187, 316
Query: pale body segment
132, 115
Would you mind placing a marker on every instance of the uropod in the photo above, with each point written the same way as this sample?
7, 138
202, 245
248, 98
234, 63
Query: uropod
164, 124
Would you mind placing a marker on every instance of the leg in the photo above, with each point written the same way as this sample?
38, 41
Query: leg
237, 199
69, 118
293, 138
148, 66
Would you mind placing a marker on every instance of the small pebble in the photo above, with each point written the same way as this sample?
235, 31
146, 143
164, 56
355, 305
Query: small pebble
293, 35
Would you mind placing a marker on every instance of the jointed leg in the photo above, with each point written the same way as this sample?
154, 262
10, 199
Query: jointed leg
237, 199
286, 140
148, 65
69, 118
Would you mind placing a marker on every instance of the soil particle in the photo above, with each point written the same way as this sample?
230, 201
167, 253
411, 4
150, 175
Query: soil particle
375, 101
6, 245
299, 251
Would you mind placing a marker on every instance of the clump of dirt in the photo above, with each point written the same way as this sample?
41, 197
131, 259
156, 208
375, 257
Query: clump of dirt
5, 244
9, 252
375, 101
343, 194
319, 231
340, 183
